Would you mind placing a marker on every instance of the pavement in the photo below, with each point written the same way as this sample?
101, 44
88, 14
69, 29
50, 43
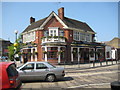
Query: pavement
82, 66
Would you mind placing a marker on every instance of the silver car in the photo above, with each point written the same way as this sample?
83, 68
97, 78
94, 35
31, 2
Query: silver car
40, 71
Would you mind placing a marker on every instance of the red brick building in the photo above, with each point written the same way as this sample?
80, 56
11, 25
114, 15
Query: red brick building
58, 39
4, 47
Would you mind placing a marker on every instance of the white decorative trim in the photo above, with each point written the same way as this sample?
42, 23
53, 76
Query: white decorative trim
46, 54
53, 46
78, 49
59, 55
32, 30
71, 54
53, 27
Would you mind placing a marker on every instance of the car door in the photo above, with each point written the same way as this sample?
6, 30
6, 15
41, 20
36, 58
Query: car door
27, 72
41, 71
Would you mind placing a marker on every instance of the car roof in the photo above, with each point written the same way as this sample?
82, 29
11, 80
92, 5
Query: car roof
5, 64
37, 62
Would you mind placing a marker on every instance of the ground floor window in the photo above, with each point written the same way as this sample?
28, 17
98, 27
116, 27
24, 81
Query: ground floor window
108, 54
75, 53
100, 53
91, 52
52, 52
62, 53
44, 52
33, 53
29, 54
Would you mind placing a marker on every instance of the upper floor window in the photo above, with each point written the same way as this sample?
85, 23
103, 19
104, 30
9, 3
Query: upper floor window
76, 35
61, 33
53, 31
88, 37
46, 33
82, 36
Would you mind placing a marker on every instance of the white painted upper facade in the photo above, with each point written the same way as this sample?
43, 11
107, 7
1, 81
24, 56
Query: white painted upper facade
29, 37
114, 53
82, 36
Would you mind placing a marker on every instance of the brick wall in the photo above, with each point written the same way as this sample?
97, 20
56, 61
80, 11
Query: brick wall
53, 23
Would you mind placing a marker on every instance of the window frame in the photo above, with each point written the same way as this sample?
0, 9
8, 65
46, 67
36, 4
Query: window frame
45, 67
24, 67
52, 53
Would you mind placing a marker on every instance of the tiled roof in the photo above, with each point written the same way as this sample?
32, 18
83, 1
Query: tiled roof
69, 22
35, 25
77, 24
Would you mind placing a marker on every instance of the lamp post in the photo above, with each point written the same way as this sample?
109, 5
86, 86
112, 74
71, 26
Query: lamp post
15, 44
16, 32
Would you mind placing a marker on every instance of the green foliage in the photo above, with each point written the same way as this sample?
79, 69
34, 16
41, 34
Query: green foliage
11, 52
14, 49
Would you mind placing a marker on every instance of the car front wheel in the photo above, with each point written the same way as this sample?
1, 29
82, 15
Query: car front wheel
50, 78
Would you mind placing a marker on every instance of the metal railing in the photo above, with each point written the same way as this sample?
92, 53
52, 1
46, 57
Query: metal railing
48, 40
89, 65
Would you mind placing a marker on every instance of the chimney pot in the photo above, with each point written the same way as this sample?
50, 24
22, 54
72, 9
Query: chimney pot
32, 20
61, 12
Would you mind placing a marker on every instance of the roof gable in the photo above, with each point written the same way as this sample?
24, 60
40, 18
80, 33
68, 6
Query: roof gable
49, 17
53, 22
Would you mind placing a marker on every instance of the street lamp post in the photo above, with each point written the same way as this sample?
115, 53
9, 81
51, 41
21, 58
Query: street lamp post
15, 44
16, 32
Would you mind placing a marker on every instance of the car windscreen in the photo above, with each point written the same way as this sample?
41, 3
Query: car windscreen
11, 70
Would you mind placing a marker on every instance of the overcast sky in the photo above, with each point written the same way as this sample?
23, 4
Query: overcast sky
102, 17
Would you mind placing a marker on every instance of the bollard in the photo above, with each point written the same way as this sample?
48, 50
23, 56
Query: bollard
100, 63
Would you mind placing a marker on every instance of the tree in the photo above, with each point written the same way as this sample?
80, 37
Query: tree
11, 52
14, 49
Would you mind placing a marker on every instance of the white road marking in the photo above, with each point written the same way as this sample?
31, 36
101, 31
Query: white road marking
84, 85
88, 74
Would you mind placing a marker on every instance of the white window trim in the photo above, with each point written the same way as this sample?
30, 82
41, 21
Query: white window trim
53, 29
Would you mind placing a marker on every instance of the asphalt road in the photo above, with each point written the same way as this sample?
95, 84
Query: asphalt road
99, 77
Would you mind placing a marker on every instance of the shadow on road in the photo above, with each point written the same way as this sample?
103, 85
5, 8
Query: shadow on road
66, 79
36, 81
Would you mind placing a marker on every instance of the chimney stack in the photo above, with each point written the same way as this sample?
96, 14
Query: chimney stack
61, 12
32, 20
